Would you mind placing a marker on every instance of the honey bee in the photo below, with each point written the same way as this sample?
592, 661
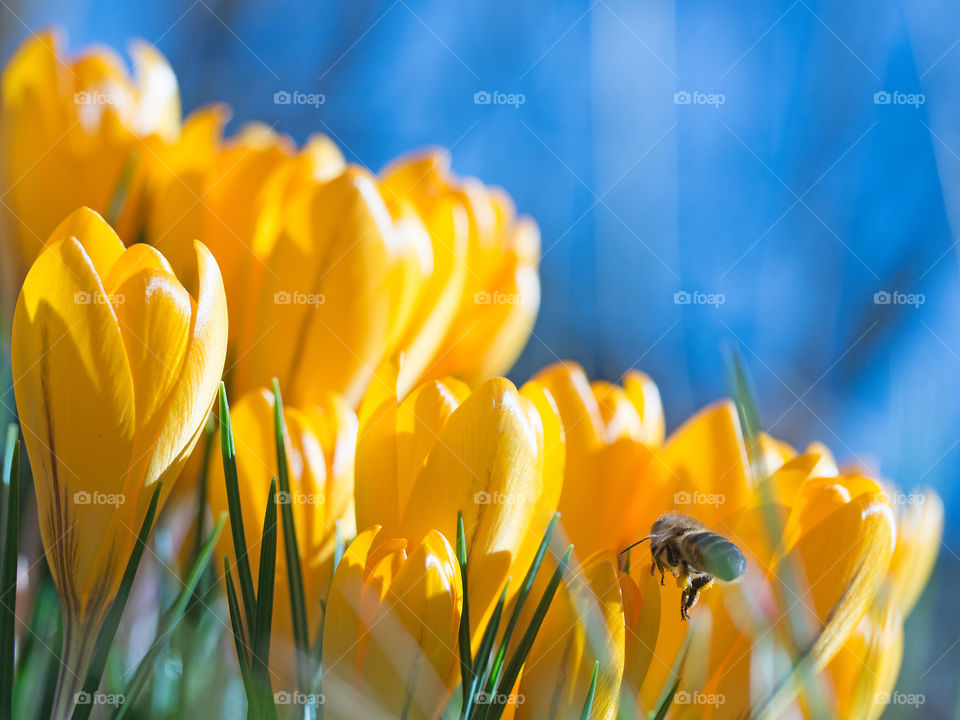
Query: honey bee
693, 554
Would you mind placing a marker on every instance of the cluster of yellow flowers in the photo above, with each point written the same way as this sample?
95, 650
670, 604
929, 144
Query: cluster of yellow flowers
387, 306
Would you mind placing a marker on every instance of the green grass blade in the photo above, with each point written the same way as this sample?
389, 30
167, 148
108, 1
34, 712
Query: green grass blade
588, 703
789, 575
482, 658
466, 661
298, 605
8, 570
512, 671
261, 636
244, 577
109, 629
239, 637
170, 619
521, 599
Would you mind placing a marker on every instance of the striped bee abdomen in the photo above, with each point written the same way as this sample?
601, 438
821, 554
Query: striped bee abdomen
710, 553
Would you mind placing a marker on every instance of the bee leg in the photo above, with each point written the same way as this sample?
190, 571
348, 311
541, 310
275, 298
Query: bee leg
692, 593
672, 560
658, 563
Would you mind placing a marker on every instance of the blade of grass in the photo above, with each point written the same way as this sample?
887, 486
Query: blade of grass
8, 571
521, 599
466, 661
244, 577
261, 636
171, 618
588, 703
109, 629
298, 606
239, 638
512, 672
482, 658
789, 576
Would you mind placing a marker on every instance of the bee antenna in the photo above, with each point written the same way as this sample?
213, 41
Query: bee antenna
638, 542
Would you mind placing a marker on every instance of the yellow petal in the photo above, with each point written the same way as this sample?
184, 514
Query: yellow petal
439, 297
195, 390
641, 611
919, 531
158, 101
706, 458
582, 420
645, 396
70, 371
620, 416
864, 671
155, 315
99, 240
376, 491
485, 464
585, 624
542, 412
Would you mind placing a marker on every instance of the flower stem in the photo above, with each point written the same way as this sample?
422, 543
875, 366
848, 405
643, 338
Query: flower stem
79, 641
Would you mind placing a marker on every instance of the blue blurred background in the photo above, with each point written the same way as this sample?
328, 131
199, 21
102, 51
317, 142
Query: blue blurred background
816, 164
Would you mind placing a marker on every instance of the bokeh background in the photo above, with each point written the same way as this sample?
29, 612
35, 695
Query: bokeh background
815, 167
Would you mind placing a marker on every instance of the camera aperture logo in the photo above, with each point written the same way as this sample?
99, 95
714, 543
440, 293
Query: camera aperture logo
698, 498
900, 698
496, 298
683, 297
485, 698
98, 97
895, 297
295, 97
299, 498
699, 698
282, 697
489, 498
884, 97
82, 497
99, 698
299, 298
483, 97
82, 297
695, 97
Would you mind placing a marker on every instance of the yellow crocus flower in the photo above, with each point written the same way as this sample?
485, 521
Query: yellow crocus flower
320, 448
611, 434
68, 127
495, 454
486, 252
116, 365
834, 549
335, 290
390, 635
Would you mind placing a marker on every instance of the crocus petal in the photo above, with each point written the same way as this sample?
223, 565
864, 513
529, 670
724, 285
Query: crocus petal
645, 396
195, 390
585, 624
706, 458
440, 295
390, 636
864, 671
919, 530
641, 612
99, 240
158, 107
485, 464
582, 420
69, 362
